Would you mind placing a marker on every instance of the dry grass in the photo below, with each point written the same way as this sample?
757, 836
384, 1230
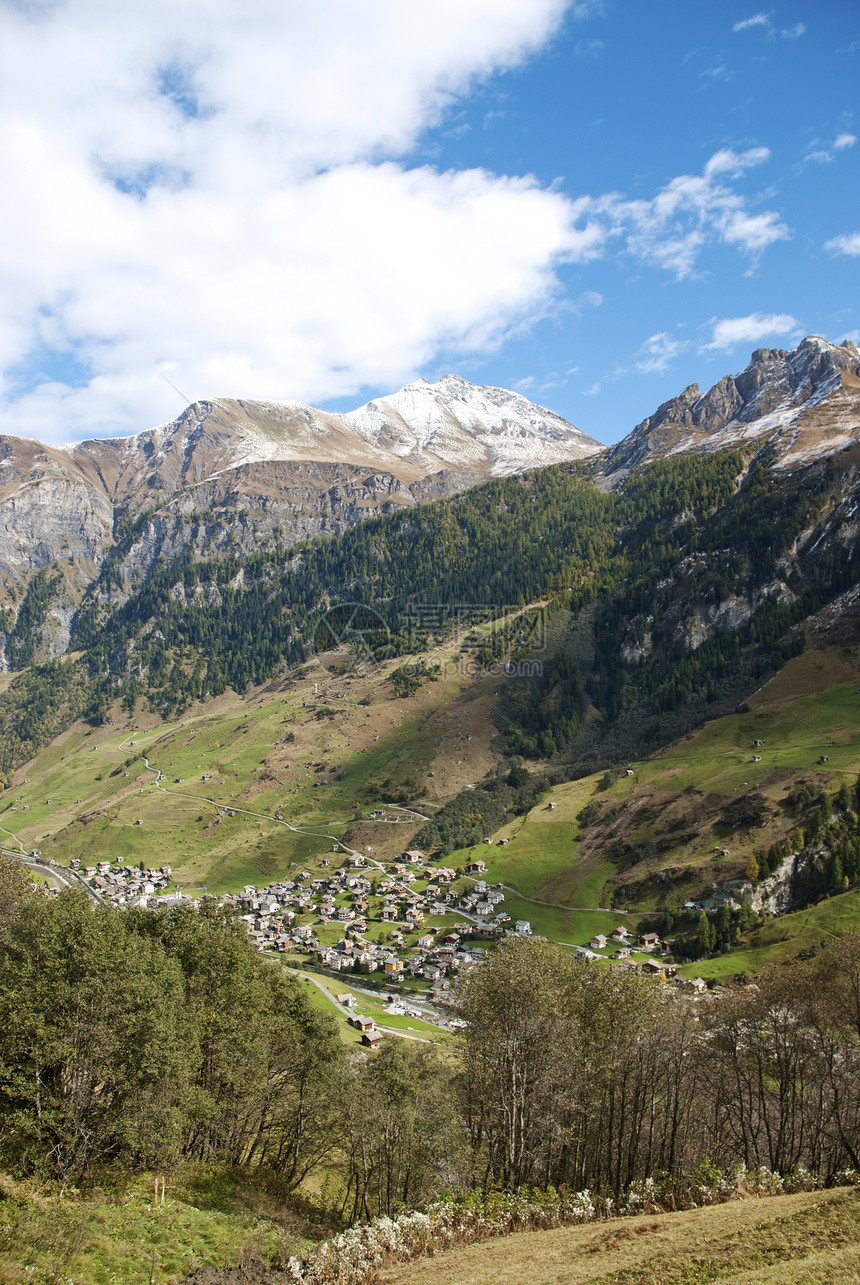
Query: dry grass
815, 670
807, 1239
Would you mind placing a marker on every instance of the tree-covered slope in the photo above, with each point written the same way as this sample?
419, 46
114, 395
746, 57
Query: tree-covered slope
677, 592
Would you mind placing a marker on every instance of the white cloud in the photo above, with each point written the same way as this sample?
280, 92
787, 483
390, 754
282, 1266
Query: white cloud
692, 211
221, 197
589, 48
848, 244
753, 231
353, 276
825, 154
731, 331
719, 71
217, 194
303, 85
728, 161
765, 20
757, 20
657, 352
586, 299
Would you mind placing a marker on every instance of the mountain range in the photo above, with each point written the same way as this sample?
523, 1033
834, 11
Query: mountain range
291, 471
236, 476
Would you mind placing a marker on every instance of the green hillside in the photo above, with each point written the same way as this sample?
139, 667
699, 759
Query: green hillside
566, 713
254, 787
677, 593
313, 751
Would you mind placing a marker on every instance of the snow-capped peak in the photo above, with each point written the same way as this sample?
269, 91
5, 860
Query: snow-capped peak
469, 425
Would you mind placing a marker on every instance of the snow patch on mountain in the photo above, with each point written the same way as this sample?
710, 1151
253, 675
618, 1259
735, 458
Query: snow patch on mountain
803, 405
492, 425
452, 424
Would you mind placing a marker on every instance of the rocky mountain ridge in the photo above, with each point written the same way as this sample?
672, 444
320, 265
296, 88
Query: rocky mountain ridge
237, 477
797, 405
241, 475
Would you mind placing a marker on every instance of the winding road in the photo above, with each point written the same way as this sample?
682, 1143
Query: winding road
341, 1008
58, 876
261, 816
314, 834
15, 837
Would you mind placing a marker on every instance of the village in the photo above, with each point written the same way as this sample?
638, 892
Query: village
326, 920
305, 914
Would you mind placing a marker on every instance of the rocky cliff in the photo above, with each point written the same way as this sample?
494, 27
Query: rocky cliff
798, 405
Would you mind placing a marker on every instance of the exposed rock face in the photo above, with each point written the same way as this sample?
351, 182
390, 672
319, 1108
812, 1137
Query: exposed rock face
802, 404
774, 895
236, 476
731, 613
49, 507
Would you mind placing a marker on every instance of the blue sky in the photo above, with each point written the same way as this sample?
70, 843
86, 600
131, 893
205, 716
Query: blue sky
595, 203
627, 101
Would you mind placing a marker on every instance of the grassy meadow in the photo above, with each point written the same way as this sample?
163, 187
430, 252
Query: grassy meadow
121, 1235
321, 752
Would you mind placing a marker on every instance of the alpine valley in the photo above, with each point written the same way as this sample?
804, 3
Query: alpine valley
605, 679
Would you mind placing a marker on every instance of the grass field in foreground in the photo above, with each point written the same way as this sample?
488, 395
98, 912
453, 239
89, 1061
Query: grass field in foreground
375, 1008
348, 1034
120, 1237
808, 1239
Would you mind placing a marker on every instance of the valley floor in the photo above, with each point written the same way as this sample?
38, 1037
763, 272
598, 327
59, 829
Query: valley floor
242, 791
